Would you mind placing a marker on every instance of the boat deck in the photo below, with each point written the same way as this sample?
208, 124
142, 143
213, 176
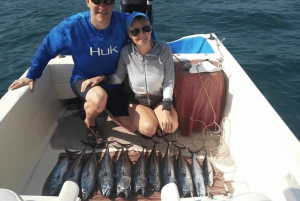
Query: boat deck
70, 130
265, 152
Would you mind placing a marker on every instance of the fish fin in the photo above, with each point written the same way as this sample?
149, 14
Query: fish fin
57, 177
207, 182
104, 172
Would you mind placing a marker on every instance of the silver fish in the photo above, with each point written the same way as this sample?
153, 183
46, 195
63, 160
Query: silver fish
73, 173
57, 176
167, 168
123, 175
88, 176
197, 175
208, 172
184, 177
106, 174
139, 174
153, 169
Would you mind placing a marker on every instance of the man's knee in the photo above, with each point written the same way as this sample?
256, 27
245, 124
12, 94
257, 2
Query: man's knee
92, 107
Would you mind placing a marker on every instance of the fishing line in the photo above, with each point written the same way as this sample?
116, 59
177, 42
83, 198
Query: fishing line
176, 57
220, 131
214, 151
225, 154
214, 121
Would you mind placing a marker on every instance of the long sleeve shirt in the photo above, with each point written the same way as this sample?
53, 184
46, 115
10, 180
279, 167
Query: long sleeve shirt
151, 77
94, 52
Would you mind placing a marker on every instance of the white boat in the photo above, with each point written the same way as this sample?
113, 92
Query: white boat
266, 153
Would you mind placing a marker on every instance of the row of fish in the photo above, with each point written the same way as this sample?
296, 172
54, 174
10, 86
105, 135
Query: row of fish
122, 177
188, 180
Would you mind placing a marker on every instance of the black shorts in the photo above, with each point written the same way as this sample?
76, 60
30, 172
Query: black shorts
133, 100
117, 101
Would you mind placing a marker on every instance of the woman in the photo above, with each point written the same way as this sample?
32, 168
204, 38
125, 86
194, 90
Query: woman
150, 68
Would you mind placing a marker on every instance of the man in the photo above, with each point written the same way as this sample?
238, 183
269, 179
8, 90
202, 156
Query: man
94, 39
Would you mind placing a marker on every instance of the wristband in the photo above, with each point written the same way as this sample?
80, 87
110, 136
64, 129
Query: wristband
167, 105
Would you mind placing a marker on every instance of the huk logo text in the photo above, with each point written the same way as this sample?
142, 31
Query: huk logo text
102, 52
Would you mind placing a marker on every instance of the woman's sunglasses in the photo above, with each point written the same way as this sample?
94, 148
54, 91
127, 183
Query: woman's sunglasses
107, 2
136, 31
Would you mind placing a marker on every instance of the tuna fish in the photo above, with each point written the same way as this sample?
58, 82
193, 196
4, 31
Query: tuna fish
74, 171
88, 176
57, 176
153, 169
197, 175
123, 175
139, 174
106, 174
167, 167
208, 172
183, 175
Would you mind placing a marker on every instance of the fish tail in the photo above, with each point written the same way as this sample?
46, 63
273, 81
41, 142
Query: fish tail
124, 145
194, 152
169, 141
179, 147
71, 152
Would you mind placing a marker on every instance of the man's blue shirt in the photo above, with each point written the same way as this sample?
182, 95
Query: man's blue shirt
94, 52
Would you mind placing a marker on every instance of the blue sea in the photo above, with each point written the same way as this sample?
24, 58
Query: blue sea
263, 36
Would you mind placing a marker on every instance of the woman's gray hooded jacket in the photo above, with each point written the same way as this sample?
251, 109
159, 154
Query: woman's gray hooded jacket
151, 78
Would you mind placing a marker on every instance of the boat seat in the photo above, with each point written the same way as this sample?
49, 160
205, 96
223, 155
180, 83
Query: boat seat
69, 192
9, 195
61, 70
194, 44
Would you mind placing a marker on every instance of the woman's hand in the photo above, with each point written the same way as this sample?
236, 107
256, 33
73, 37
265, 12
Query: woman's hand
166, 122
92, 81
22, 82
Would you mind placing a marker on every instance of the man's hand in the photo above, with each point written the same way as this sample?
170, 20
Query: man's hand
22, 82
92, 81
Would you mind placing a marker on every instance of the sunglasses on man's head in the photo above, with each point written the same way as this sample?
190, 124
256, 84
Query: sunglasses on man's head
137, 31
107, 2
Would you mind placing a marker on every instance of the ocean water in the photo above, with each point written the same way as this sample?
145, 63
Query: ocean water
263, 36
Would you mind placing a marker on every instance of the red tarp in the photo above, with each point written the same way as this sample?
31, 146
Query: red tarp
196, 110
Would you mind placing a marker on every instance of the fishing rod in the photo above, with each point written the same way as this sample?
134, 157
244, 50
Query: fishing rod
149, 10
